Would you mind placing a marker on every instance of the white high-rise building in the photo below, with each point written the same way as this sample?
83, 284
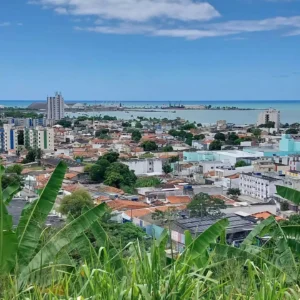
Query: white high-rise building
55, 107
269, 115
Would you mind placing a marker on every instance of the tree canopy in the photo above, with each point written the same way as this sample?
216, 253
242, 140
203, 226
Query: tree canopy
136, 135
167, 168
220, 136
149, 146
240, 163
17, 169
203, 205
75, 203
215, 145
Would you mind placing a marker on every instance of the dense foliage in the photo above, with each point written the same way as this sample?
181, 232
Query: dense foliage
203, 205
81, 261
75, 203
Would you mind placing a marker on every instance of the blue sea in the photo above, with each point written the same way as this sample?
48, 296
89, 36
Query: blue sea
290, 109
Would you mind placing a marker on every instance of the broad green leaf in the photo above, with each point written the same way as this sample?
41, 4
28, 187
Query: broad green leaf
288, 193
291, 231
203, 241
258, 229
9, 192
7, 237
34, 216
61, 239
8, 251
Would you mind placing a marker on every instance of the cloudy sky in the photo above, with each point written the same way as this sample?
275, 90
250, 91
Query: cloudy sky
150, 49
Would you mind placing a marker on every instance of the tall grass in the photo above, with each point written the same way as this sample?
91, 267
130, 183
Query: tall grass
152, 275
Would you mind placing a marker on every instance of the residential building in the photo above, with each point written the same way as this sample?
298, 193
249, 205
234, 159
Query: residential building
39, 137
259, 186
289, 143
8, 138
228, 157
145, 166
55, 107
269, 115
27, 122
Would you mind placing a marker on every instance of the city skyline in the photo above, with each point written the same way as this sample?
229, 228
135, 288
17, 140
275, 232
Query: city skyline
150, 50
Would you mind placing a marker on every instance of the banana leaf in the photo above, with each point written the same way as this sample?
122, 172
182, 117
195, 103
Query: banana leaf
8, 251
35, 214
197, 249
61, 239
9, 192
203, 241
7, 236
258, 230
288, 193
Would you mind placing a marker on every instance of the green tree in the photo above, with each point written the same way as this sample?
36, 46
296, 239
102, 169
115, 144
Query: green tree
126, 124
87, 168
110, 156
269, 124
102, 132
256, 132
128, 176
65, 123
168, 148
240, 163
188, 126
30, 156
234, 192
147, 181
232, 137
285, 206
167, 169
220, 136
12, 179
293, 220
138, 125
174, 159
97, 171
149, 146
203, 205
215, 145
136, 135
199, 137
75, 203
17, 169
292, 131
114, 179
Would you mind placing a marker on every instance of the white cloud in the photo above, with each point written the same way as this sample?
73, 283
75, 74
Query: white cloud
137, 10
61, 10
171, 18
5, 24
230, 28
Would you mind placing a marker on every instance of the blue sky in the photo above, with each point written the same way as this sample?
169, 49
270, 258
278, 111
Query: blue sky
150, 49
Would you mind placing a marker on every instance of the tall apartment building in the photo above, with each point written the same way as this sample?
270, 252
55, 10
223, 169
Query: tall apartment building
269, 115
27, 122
55, 107
8, 138
39, 137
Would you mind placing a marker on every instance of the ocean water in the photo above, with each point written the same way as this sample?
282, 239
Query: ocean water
290, 110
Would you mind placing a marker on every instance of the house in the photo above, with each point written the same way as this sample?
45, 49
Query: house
145, 166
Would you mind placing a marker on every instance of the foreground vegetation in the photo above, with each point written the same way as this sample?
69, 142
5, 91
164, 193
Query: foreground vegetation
80, 261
